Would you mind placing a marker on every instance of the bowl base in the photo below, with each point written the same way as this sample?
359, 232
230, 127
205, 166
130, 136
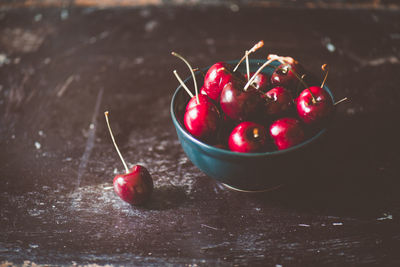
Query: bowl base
253, 191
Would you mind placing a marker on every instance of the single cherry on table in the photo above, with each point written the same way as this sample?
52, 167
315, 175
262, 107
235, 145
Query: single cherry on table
136, 185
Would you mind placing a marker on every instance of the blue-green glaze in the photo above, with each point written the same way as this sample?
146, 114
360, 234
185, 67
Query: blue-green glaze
247, 171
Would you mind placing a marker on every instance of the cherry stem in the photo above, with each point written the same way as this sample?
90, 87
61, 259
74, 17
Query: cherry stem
326, 70
255, 133
282, 60
115, 144
183, 84
199, 70
257, 72
298, 85
191, 71
252, 50
340, 101
247, 65
313, 98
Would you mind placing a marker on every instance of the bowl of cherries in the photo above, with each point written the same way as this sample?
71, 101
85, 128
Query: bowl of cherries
252, 124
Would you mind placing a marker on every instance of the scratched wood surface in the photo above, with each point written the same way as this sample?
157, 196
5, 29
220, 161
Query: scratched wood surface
60, 69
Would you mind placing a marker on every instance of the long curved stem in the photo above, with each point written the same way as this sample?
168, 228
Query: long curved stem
252, 50
257, 72
191, 71
182, 83
247, 65
326, 69
298, 85
340, 101
115, 144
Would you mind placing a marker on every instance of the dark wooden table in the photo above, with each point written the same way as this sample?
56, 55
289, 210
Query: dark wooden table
60, 69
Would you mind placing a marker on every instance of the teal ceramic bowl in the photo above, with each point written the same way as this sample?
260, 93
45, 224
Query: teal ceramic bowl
244, 171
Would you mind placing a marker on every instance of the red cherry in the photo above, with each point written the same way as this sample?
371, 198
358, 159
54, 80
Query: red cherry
202, 120
285, 75
202, 91
248, 137
316, 107
203, 99
216, 77
261, 81
241, 105
134, 187
201, 117
286, 132
278, 101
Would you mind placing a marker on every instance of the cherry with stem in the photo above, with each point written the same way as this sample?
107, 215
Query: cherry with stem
247, 65
298, 85
249, 82
191, 71
288, 61
115, 144
183, 84
136, 185
201, 117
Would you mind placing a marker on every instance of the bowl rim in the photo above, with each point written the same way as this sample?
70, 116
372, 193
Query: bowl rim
226, 152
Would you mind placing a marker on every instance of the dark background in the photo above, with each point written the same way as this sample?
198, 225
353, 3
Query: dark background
63, 63
330, 4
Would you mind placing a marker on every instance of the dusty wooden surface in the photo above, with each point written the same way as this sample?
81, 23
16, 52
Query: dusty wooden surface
61, 68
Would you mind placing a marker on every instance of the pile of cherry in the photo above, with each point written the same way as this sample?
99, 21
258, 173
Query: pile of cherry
252, 112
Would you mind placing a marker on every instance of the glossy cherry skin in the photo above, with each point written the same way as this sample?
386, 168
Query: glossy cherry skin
134, 187
203, 100
260, 82
248, 137
202, 91
284, 76
286, 132
202, 120
278, 101
216, 77
314, 112
240, 105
